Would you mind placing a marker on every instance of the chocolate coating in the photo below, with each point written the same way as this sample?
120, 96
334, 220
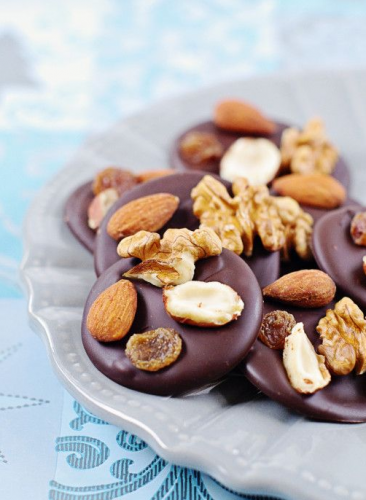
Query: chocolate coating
265, 265
296, 264
343, 400
76, 215
226, 138
337, 254
207, 354
318, 213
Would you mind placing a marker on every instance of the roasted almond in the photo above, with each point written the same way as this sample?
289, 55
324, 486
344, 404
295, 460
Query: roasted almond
239, 116
149, 213
149, 175
314, 190
308, 288
112, 313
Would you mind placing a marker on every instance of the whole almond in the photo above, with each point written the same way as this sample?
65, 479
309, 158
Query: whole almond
314, 190
112, 313
149, 213
149, 175
308, 288
239, 116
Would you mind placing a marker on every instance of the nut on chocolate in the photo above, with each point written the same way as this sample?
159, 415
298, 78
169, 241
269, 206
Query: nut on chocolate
252, 212
149, 213
112, 313
309, 150
205, 304
343, 335
307, 288
315, 190
256, 159
242, 117
99, 206
305, 368
169, 260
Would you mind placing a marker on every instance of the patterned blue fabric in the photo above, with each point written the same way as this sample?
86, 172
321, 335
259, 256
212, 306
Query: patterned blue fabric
114, 463
70, 70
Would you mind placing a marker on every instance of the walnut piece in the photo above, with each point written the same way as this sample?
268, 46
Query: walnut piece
305, 368
358, 228
279, 222
151, 351
201, 303
200, 147
276, 326
343, 335
309, 150
170, 260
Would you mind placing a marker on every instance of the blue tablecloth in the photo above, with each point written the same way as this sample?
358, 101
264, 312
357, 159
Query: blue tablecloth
69, 69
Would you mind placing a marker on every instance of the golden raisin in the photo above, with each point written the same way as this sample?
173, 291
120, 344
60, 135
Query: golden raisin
155, 349
276, 326
111, 177
358, 228
200, 147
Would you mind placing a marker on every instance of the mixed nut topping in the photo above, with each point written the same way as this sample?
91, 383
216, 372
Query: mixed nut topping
308, 151
280, 223
169, 260
109, 185
234, 220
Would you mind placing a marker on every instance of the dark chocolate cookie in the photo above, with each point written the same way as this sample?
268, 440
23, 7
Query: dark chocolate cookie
265, 265
208, 353
296, 264
343, 400
337, 254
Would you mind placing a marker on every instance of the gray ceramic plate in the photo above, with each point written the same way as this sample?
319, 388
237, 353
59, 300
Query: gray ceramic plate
244, 440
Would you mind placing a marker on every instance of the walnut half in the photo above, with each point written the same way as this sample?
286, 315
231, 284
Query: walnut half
279, 222
169, 260
343, 335
309, 150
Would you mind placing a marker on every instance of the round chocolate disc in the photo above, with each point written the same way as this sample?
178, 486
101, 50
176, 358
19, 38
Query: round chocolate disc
265, 265
337, 254
318, 213
207, 354
296, 264
76, 215
226, 138
343, 400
